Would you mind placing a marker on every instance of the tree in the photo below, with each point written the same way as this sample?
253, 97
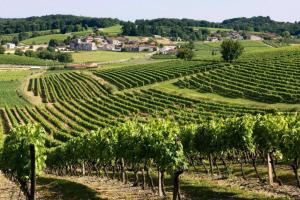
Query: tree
19, 52
2, 49
30, 53
185, 53
53, 43
231, 50
286, 34
65, 57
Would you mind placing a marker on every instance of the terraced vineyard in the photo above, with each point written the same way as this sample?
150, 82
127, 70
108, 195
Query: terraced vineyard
273, 78
65, 86
81, 104
135, 76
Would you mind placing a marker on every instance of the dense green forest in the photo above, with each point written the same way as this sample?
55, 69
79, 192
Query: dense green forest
66, 23
162, 26
184, 27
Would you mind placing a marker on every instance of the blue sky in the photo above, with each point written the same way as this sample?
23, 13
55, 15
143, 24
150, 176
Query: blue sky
212, 10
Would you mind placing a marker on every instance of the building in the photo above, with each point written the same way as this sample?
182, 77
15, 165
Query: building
79, 45
235, 36
167, 50
147, 48
10, 46
255, 38
213, 39
109, 47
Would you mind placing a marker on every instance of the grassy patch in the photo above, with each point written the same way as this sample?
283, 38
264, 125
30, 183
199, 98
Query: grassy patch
205, 189
104, 56
45, 39
114, 30
10, 81
204, 50
23, 60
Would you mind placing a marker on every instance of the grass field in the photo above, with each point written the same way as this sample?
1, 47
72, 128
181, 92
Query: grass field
45, 39
10, 81
60, 37
214, 29
204, 50
104, 56
23, 60
114, 30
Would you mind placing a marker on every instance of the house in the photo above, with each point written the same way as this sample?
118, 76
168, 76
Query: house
147, 48
157, 36
256, 38
213, 39
79, 45
235, 36
114, 42
167, 50
109, 47
10, 46
89, 39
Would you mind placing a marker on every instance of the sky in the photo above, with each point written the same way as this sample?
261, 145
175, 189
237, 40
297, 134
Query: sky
211, 10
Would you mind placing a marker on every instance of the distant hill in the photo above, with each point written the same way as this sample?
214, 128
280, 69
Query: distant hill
261, 24
257, 24
66, 23
163, 26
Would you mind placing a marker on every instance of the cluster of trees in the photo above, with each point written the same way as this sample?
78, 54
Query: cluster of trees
174, 32
231, 50
184, 28
186, 52
48, 54
261, 24
51, 22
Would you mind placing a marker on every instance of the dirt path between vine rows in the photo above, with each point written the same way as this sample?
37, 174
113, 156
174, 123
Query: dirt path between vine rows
9, 190
99, 188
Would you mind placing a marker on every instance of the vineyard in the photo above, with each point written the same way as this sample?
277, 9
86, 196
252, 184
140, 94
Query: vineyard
136, 76
272, 78
86, 105
106, 122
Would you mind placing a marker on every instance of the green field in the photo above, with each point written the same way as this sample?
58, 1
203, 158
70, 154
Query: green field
10, 37
60, 37
104, 56
113, 31
23, 60
204, 50
45, 39
10, 81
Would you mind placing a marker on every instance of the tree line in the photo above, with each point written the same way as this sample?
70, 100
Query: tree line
165, 147
65, 23
46, 53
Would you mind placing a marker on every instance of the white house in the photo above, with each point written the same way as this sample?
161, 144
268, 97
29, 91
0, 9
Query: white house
167, 49
213, 39
255, 38
10, 46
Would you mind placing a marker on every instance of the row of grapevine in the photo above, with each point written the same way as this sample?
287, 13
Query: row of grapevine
136, 76
70, 85
168, 147
70, 118
270, 79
